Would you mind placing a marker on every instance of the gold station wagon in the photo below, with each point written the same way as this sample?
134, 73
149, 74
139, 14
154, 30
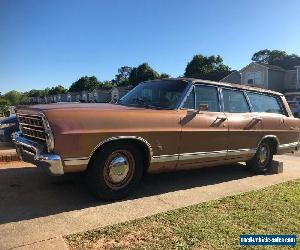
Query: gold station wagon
160, 125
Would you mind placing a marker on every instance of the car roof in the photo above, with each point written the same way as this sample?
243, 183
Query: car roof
222, 84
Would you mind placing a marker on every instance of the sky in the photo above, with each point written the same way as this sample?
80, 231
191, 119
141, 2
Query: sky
51, 42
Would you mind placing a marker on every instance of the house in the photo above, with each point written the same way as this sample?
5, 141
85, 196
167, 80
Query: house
272, 77
264, 76
233, 77
269, 77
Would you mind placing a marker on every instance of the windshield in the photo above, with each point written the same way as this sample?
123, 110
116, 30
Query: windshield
163, 94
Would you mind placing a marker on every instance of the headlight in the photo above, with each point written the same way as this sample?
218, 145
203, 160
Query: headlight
49, 134
7, 125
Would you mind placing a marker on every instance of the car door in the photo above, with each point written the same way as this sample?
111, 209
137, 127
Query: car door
245, 127
204, 136
275, 119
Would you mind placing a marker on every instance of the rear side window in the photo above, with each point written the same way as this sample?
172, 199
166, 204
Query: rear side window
235, 101
264, 103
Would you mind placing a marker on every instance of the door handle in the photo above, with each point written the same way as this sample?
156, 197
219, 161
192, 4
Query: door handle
222, 118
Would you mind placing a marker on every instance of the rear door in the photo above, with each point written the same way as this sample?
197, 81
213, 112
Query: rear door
245, 127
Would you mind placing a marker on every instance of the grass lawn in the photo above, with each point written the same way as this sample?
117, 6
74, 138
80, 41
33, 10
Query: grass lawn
211, 225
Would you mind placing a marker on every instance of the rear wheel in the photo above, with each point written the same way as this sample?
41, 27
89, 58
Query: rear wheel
262, 161
115, 171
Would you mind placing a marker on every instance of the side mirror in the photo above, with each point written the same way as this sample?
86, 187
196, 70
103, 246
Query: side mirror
203, 107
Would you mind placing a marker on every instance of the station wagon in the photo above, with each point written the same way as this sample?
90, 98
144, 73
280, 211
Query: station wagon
160, 125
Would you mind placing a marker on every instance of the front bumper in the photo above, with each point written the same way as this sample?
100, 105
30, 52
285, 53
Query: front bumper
31, 151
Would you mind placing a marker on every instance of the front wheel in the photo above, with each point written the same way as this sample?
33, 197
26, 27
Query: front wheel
262, 160
115, 171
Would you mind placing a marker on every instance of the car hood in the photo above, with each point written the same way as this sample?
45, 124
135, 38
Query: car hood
74, 106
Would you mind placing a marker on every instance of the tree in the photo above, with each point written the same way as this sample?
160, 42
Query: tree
56, 90
4, 110
13, 97
206, 67
35, 93
277, 57
142, 73
122, 78
164, 75
106, 85
87, 83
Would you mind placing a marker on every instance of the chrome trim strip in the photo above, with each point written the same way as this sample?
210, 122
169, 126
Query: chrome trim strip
121, 138
76, 161
241, 151
289, 145
185, 95
164, 158
248, 100
48, 132
200, 155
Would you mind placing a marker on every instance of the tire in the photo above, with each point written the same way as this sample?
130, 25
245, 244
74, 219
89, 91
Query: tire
262, 160
114, 171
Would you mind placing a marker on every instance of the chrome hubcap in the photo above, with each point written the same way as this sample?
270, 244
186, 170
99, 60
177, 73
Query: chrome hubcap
118, 168
263, 155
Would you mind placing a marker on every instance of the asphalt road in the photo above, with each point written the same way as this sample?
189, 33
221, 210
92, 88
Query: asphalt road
36, 208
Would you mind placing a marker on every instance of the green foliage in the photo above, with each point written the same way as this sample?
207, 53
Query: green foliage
276, 57
87, 83
37, 93
3, 102
206, 67
13, 97
164, 75
4, 110
216, 224
56, 90
106, 85
59, 89
122, 78
142, 73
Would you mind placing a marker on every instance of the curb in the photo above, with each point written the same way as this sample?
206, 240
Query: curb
9, 158
8, 155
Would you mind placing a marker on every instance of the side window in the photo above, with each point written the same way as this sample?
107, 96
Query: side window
264, 103
207, 98
234, 101
190, 101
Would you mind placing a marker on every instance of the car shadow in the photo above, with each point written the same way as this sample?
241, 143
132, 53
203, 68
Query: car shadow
27, 193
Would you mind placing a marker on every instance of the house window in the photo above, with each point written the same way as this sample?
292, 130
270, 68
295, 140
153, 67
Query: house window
254, 78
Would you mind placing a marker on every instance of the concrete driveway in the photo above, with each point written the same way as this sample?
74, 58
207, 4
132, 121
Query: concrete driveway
37, 209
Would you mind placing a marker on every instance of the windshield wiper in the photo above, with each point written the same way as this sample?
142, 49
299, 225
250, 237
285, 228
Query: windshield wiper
141, 101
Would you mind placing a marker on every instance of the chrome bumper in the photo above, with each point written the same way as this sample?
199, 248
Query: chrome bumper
31, 151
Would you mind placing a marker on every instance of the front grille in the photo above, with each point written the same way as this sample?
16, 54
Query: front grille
32, 126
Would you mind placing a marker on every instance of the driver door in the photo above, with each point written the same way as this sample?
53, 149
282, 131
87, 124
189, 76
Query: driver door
205, 135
